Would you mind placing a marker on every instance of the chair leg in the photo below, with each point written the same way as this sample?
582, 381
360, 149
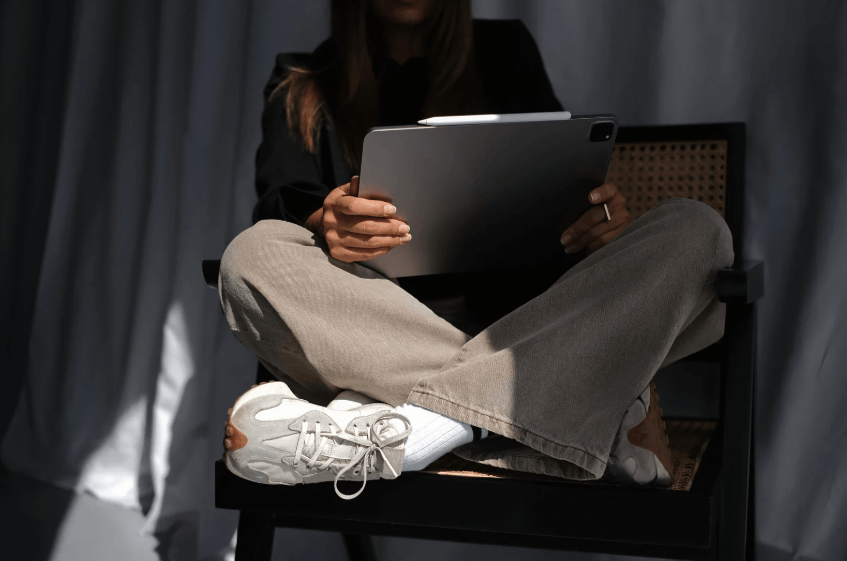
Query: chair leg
255, 537
359, 547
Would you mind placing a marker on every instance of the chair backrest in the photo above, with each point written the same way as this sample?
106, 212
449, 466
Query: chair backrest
649, 172
702, 162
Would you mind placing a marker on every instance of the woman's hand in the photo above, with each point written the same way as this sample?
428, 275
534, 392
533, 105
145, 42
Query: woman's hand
357, 229
592, 230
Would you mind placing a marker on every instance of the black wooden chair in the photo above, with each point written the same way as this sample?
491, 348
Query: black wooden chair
706, 514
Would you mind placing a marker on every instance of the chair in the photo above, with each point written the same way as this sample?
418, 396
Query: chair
706, 514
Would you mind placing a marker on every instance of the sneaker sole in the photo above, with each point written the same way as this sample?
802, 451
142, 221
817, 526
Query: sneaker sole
234, 439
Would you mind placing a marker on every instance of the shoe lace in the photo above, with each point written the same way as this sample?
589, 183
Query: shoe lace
365, 453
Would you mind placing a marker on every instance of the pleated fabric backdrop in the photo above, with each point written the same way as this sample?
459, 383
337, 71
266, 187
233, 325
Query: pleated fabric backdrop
141, 120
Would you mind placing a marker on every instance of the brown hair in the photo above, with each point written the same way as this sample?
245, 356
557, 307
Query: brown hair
347, 92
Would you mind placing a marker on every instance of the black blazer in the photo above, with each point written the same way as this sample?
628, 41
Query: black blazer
292, 183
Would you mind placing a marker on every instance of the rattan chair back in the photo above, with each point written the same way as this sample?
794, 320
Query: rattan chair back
649, 172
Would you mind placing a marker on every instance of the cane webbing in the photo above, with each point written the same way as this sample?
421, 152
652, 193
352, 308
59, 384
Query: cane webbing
649, 172
688, 439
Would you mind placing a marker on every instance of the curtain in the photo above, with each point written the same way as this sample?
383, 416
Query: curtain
128, 158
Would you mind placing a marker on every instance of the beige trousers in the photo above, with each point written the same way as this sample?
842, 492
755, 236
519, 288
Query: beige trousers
555, 374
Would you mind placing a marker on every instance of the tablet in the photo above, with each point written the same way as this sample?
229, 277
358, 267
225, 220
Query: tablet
484, 197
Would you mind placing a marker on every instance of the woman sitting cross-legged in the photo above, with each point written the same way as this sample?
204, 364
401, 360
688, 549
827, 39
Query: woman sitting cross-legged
373, 382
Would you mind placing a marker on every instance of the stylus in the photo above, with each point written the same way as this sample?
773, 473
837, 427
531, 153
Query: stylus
484, 119
608, 216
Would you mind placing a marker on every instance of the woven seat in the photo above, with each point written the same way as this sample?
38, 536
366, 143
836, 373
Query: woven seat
688, 441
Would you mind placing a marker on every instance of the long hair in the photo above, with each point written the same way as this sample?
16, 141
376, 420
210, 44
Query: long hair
347, 92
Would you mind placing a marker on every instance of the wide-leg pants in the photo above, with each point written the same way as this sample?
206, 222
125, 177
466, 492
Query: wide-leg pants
556, 374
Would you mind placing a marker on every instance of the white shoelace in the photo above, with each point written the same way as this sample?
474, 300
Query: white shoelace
366, 448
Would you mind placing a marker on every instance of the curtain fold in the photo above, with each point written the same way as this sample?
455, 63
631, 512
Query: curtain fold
132, 160
33, 39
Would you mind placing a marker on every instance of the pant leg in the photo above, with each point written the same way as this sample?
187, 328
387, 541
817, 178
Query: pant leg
558, 373
323, 325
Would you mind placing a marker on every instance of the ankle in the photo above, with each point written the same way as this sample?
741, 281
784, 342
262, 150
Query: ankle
433, 435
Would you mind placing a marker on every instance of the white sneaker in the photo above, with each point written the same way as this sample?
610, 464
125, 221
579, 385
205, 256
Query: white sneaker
273, 437
640, 451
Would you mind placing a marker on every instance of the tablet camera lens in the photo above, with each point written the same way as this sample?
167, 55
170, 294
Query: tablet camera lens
601, 132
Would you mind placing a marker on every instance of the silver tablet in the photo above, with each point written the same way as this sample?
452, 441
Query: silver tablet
484, 196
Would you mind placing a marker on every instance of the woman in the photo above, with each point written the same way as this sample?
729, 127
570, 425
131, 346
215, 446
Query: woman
567, 373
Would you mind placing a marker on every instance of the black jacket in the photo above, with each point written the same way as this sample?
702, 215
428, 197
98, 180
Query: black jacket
292, 184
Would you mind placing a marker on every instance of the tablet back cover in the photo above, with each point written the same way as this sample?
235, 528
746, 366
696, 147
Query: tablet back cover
483, 196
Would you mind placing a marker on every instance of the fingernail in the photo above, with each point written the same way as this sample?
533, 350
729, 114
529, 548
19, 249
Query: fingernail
404, 228
595, 197
407, 237
565, 239
390, 209
569, 249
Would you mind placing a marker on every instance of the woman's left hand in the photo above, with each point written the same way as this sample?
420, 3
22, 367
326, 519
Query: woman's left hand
593, 230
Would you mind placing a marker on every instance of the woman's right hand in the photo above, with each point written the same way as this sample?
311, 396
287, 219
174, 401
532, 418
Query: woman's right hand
358, 229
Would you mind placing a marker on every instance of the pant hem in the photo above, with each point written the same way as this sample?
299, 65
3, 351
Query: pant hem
580, 458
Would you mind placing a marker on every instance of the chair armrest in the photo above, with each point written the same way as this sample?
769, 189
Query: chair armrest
211, 268
743, 283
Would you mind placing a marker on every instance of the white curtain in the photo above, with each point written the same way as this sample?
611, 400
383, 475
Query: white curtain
131, 367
